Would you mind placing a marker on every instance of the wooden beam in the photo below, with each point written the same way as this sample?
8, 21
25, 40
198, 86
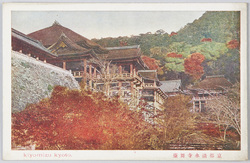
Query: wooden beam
94, 72
90, 76
131, 69
120, 69
120, 90
64, 65
132, 88
90, 71
85, 71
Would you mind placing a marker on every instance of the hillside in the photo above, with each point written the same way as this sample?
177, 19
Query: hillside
215, 35
34, 80
219, 26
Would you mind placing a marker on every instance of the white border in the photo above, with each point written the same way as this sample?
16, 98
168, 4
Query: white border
8, 154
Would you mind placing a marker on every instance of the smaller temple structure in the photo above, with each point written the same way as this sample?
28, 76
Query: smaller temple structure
207, 89
171, 87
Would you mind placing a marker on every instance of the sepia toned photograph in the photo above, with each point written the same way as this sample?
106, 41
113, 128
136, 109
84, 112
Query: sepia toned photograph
131, 80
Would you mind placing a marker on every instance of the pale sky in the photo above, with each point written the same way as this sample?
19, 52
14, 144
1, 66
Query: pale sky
93, 24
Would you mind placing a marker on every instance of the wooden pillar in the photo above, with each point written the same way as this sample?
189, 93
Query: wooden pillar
90, 76
199, 106
131, 69
120, 69
64, 65
132, 88
134, 72
154, 97
94, 72
154, 83
120, 90
85, 71
193, 106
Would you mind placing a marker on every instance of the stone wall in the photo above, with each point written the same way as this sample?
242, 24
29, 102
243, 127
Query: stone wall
33, 80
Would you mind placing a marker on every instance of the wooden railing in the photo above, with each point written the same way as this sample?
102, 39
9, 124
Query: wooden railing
80, 74
77, 74
149, 85
202, 98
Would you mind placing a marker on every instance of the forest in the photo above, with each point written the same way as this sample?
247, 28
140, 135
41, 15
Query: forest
207, 46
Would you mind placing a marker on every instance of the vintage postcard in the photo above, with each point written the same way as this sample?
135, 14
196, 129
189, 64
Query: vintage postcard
125, 81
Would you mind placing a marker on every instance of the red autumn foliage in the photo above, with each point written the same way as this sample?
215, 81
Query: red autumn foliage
174, 55
193, 66
150, 62
172, 34
233, 44
123, 43
213, 130
209, 129
77, 120
206, 40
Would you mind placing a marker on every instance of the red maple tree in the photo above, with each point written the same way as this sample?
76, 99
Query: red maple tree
172, 34
233, 44
206, 40
78, 120
193, 66
152, 63
174, 55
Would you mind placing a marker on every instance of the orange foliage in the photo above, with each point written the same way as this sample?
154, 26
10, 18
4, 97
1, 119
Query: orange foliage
150, 62
174, 55
77, 120
123, 43
233, 44
206, 40
193, 66
172, 34
209, 129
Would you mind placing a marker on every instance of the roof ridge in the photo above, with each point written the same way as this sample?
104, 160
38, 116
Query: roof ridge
56, 23
33, 42
147, 71
123, 47
215, 76
24, 35
170, 80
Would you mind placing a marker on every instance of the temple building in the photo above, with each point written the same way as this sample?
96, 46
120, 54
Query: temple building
31, 47
171, 87
207, 89
115, 71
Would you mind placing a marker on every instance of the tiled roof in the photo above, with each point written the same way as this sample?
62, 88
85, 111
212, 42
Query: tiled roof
170, 85
30, 41
50, 35
124, 52
123, 47
64, 46
148, 74
213, 83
